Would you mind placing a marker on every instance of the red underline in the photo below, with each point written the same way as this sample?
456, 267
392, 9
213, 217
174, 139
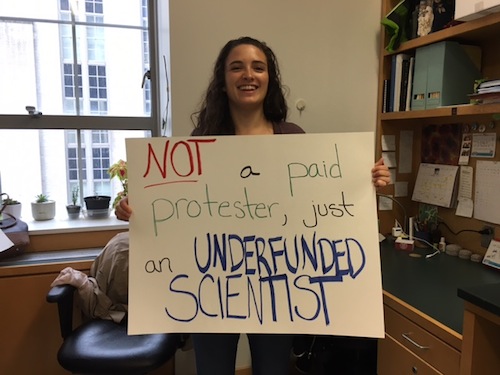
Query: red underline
169, 182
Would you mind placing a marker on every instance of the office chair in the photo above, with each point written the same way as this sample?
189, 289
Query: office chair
103, 347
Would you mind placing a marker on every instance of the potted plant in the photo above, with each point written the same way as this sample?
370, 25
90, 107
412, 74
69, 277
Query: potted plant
12, 206
97, 202
43, 208
119, 170
74, 208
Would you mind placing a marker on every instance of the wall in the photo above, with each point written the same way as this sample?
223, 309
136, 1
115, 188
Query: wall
327, 50
328, 55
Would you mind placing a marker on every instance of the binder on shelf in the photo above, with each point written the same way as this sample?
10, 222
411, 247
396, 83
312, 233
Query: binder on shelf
385, 96
444, 75
390, 106
410, 84
396, 79
405, 75
419, 90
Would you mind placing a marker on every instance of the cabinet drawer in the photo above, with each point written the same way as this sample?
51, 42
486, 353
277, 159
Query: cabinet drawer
425, 345
395, 359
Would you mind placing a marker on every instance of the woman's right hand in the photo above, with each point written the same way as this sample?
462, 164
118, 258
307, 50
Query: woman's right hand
123, 210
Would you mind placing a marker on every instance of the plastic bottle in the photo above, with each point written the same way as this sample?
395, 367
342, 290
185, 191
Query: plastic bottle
442, 245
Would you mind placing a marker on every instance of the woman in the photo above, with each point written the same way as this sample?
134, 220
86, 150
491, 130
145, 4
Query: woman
245, 97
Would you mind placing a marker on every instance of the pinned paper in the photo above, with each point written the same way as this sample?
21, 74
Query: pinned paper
389, 159
388, 142
484, 145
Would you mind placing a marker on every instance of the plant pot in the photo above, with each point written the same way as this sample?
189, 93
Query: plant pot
73, 211
14, 210
97, 202
44, 210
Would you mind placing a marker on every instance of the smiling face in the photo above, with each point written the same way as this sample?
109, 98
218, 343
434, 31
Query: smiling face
246, 77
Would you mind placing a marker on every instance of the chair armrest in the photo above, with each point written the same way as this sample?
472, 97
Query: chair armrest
63, 296
60, 292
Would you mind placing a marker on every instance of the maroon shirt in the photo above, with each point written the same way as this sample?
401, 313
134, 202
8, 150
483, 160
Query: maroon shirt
287, 128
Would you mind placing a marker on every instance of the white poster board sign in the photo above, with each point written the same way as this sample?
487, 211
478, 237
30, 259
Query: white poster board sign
271, 234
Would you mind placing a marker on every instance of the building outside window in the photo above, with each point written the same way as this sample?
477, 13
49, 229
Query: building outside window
84, 65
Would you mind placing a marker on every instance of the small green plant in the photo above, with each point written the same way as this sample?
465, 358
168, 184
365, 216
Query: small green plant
41, 198
75, 195
9, 201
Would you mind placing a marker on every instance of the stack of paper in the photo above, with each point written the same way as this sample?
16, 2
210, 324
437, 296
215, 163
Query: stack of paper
488, 92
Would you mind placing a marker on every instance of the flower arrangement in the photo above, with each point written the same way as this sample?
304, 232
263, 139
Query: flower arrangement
119, 170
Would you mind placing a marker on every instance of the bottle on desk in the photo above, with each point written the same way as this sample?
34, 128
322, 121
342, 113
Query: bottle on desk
442, 245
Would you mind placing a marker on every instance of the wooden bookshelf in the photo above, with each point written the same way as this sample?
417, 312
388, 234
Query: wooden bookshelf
461, 113
475, 31
482, 32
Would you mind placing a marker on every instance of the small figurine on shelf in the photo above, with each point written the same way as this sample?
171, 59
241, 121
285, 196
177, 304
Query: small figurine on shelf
425, 18
444, 12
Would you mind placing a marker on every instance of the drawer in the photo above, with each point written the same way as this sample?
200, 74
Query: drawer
395, 359
422, 343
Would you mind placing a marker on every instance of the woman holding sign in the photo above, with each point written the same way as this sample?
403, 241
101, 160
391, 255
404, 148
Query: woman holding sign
245, 97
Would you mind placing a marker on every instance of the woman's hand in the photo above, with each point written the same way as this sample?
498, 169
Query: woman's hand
72, 277
380, 174
123, 210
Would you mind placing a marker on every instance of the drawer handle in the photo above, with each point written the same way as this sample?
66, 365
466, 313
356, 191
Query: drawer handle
406, 337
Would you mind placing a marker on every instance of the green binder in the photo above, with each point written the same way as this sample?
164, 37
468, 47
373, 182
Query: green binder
444, 75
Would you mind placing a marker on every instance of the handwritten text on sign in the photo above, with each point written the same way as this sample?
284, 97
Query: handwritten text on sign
254, 234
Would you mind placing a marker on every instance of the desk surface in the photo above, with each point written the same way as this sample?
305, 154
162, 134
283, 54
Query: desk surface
431, 285
485, 296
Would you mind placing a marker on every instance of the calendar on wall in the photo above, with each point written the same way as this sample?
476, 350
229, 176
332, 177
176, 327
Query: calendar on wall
436, 184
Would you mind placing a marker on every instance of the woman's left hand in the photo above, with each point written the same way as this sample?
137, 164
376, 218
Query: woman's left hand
380, 174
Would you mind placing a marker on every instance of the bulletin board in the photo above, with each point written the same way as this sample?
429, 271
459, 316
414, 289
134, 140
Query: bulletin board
269, 234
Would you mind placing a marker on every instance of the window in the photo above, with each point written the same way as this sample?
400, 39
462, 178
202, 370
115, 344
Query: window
72, 83
80, 64
97, 90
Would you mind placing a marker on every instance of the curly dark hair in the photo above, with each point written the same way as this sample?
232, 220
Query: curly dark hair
214, 117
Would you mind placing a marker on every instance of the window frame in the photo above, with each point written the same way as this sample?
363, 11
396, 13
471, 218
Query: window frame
151, 123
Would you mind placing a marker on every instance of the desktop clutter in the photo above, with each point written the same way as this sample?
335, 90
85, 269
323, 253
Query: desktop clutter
421, 237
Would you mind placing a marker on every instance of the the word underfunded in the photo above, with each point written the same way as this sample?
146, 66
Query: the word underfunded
247, 274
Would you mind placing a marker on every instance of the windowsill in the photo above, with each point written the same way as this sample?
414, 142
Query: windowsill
58, 226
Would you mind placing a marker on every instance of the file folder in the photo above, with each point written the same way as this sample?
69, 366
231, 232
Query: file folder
444, 75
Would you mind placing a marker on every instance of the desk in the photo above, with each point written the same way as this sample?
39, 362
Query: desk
431, 285
481, 343
421, 297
